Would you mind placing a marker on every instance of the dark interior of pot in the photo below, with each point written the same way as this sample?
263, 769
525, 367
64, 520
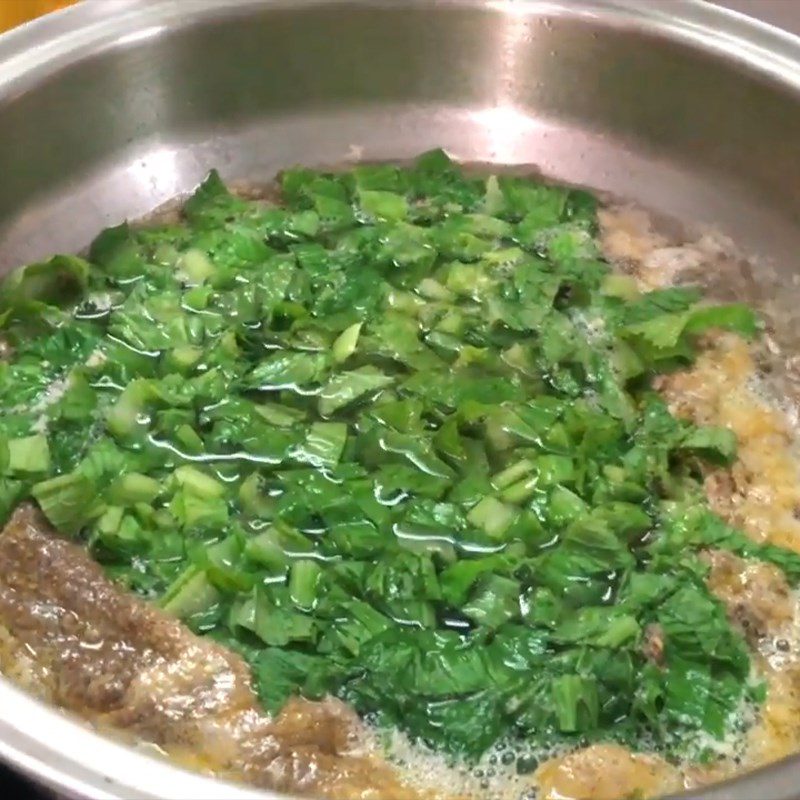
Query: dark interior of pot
700, 128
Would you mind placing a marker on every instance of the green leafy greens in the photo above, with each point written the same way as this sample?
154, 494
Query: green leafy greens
391, 440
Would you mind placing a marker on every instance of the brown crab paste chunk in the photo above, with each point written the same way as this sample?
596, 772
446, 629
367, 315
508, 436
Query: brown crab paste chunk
81, 642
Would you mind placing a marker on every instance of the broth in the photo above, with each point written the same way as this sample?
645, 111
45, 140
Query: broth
395, 443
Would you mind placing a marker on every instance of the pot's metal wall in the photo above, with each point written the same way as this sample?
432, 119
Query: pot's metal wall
783, 13
610, 100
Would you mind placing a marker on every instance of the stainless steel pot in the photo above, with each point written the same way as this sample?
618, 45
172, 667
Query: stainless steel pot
114, 106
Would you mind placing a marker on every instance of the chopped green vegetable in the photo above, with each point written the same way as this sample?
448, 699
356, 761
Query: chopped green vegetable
365, 438
28, 454
346, 387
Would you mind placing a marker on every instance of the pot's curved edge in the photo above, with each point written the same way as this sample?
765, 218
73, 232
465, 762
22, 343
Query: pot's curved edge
78, 762
29, 52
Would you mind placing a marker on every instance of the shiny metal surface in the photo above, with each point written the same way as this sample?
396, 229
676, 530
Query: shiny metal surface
112, 107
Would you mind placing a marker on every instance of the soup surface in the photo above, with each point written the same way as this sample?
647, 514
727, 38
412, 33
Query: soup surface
416, 478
